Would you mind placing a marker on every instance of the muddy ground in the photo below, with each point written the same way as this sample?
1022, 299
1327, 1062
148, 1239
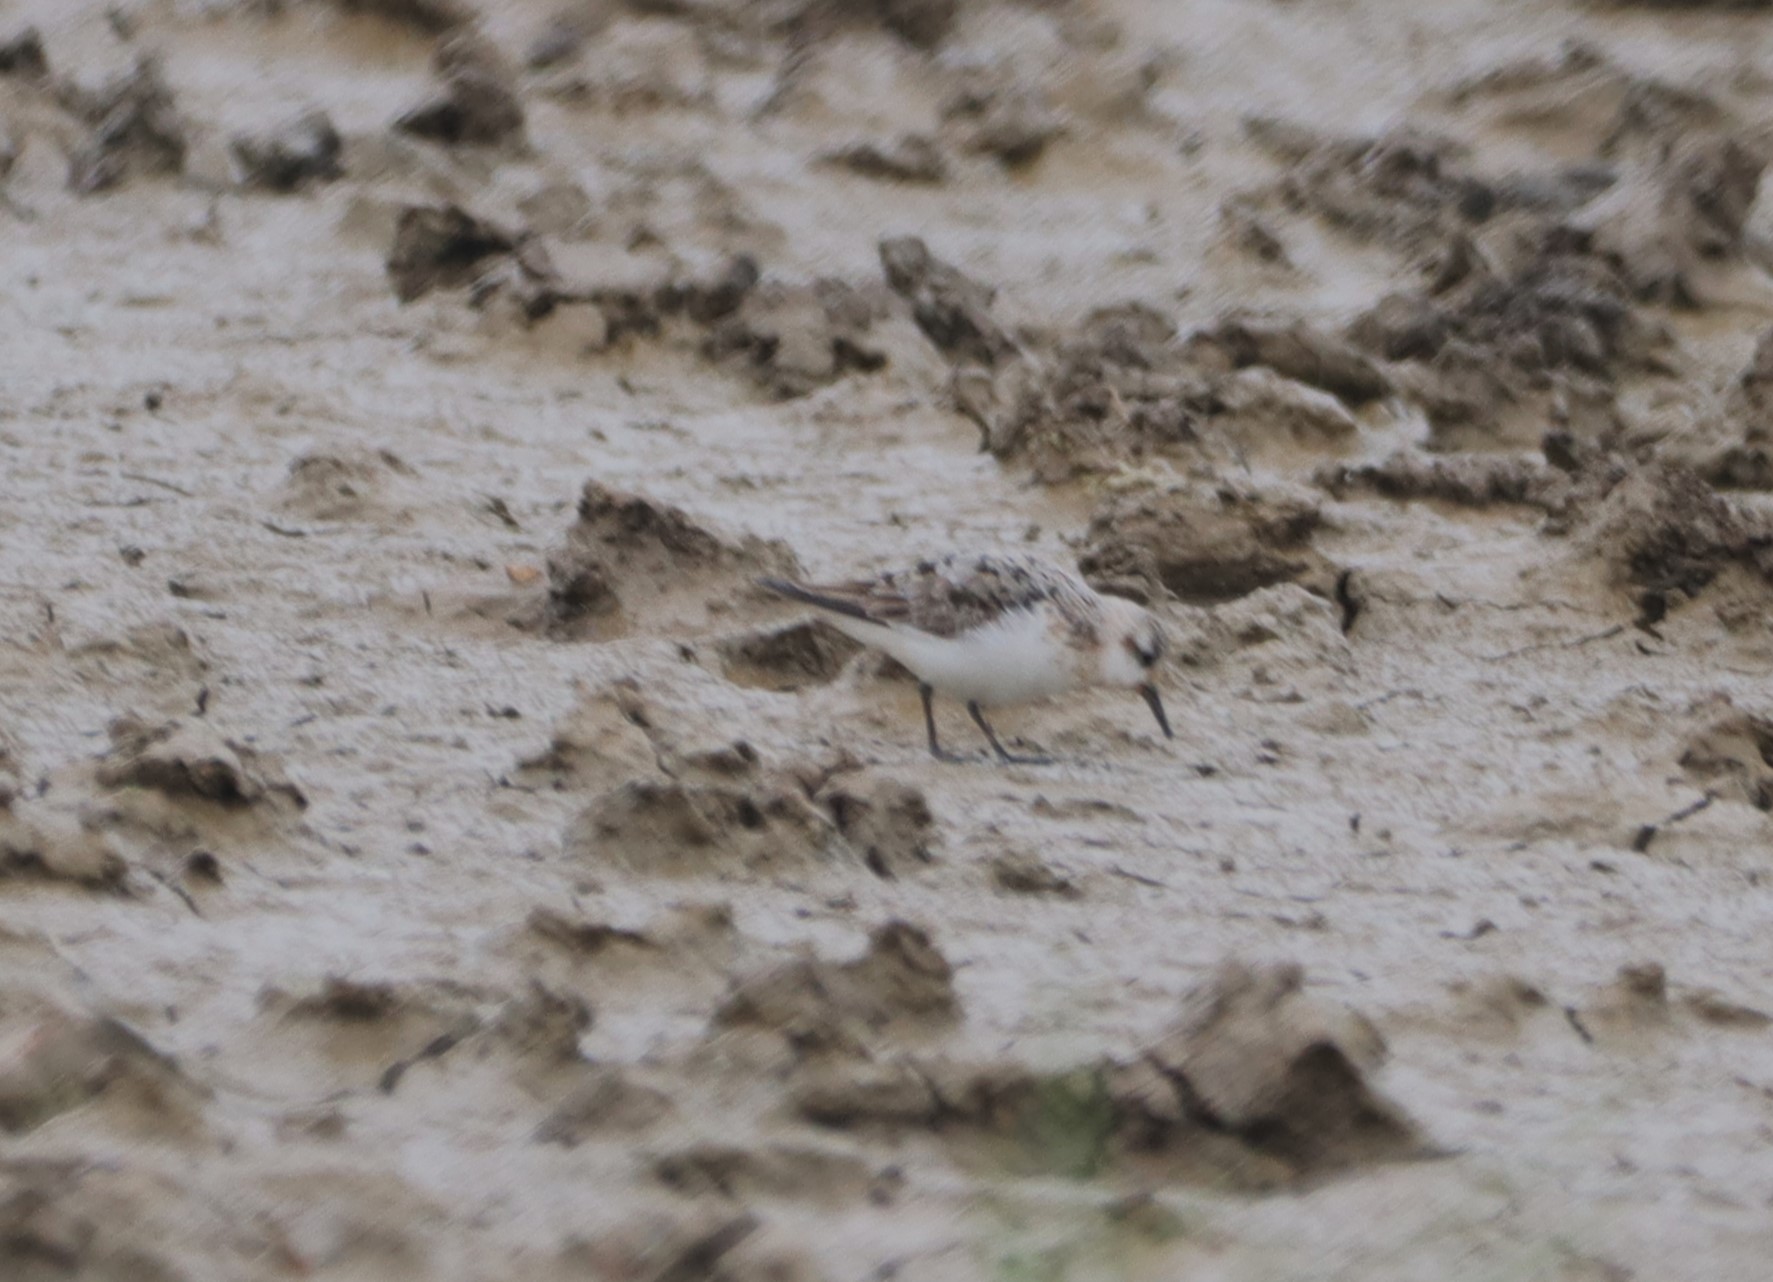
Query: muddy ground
426, 855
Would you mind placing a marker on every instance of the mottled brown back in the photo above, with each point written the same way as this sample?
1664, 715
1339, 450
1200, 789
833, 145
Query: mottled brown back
954, 594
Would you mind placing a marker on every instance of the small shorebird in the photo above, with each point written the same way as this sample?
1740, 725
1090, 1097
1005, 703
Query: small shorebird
995, 629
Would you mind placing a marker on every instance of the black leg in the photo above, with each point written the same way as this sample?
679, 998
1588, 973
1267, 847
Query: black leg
1008, 758
929, 724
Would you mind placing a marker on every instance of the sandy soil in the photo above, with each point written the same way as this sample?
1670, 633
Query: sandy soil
426, 855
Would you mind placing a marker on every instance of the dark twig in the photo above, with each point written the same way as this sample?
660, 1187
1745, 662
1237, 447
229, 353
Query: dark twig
1576, 643
178, 890
1647, 834
154, 480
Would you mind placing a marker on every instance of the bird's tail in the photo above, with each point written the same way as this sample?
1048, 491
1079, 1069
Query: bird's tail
810, 596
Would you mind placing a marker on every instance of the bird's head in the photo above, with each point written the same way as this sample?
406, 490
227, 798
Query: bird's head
1134, 647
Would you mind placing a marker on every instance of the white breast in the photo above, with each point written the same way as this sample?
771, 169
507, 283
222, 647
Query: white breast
1018, 659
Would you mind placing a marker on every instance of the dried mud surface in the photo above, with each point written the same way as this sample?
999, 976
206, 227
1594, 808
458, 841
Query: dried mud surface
424, 854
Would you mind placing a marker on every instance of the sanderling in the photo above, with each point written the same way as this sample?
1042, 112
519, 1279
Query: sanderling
995, 629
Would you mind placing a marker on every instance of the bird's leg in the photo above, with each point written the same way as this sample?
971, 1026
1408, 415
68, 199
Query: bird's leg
929, 724
1008, 758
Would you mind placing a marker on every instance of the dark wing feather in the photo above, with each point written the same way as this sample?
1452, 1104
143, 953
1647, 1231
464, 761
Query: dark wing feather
826, 598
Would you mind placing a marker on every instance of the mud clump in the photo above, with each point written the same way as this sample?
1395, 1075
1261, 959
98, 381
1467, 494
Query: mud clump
187, 760
1285, 1073
901, 981
1733, 448
1018, 872
348, 1000
887, 822
441, 247
67, 1217
431, 17
1257, 1086
1640, 1001
908, 158
1634, 1003
477, 104
713, 297
542, 1024
1468, 480
644, 535
563, 37
952, 309
445, 247
608, 1101
795, 339
1261, 409
63, 1060
1543, 315
606, 739
1115, 389
351, 485
1732, 755
656, 61
795, 1171
621, 538
1302, 353
300, 153
1404, 188
1245, 230
135, 130
1203, 545
1533, 281
21, 54
580, 587
1560, 327
1667, 533
663, 827
1560, 310
1121, 387
39, 840
856, 1093
580, 937
1403, 327
1411, 190
163, 792
377, 1030
1009, 121
786, 658
9, 771
43, 840
397, 1027
1118, 388
695, 935
1663, 228
709, 1243
1598, 106
920, 23
1714, 1008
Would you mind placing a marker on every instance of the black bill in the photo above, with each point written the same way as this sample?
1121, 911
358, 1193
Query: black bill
1157, 708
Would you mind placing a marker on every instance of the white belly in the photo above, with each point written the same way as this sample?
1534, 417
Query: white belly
1018, 660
